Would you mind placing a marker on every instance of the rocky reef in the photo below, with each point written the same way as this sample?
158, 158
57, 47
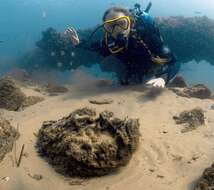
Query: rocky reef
189, 38
82, 144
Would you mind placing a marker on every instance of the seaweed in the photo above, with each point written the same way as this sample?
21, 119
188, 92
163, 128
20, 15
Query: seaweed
82, 144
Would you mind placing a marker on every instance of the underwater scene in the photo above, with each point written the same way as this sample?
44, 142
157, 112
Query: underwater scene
106, 95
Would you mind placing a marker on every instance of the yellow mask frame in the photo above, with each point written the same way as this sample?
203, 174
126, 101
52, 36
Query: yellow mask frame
116, 19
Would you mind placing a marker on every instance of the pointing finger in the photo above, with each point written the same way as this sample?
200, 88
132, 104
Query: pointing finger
73, 30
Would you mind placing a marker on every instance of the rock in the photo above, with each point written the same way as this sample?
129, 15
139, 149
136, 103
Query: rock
152, 170
206, 182
212, 107
160, 176
101, 101
11, 97
195, 157
82, 144
178, 82
53, 88
8, 135
76, 182
37, 177
197, 91
6, 179
25, 154
176, 157
31, 100
193, 119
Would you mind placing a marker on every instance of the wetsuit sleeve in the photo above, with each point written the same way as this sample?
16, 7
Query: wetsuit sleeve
98, 47
170, 68
151, 34
161, 54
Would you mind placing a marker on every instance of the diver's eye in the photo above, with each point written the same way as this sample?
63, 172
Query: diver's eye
109, 27
117, 30
123, 23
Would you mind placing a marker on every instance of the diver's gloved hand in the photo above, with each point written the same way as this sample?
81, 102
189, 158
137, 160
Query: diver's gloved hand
72, 34
158, 82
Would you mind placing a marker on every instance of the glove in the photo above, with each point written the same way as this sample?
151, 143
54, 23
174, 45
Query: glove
72, 34
158, 82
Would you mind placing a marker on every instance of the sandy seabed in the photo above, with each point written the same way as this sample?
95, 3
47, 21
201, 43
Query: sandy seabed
166, 158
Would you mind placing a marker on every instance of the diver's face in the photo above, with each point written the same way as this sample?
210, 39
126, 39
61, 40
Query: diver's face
118, 27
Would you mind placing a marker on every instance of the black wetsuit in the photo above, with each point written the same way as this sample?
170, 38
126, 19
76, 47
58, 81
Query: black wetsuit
136, 64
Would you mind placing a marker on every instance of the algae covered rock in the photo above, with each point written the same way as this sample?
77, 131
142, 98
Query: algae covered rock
11, 97
82, 144
197, 91
8, 135
192, 119
206, 182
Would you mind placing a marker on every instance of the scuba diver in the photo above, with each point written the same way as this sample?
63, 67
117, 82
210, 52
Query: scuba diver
133, 37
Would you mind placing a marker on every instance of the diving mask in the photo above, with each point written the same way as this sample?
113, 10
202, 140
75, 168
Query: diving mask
117, 25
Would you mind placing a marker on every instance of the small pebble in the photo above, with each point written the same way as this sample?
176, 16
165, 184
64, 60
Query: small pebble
151, 170
26, 155
5, 179
37, 177
160, 176
195, 157
76, 182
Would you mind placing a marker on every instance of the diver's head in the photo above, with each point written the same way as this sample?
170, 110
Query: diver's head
117, 21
